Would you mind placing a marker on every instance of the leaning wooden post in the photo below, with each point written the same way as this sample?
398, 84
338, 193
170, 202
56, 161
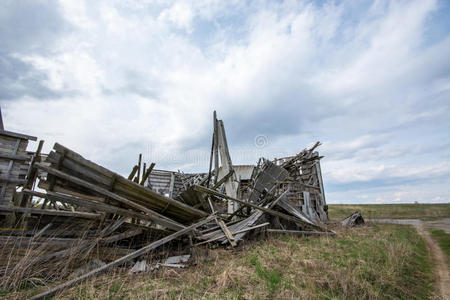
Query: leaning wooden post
138, 176
1, 120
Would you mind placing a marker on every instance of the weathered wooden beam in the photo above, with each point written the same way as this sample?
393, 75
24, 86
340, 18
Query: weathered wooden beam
100, 190
122, 260
164, 221
12, 180
223, 179
138, 176
18, 135
216, 148
227, 232
137, 192
235, 232
147, 173
1, 120
133, 172
14, 156
59, 213
266, 210
121, 236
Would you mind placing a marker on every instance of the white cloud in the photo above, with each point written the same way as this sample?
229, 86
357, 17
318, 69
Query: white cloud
134, 75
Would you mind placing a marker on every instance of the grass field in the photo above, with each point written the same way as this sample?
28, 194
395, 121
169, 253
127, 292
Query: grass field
393, 211
377, 262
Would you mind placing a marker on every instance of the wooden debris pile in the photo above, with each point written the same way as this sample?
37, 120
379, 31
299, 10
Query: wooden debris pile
63, 210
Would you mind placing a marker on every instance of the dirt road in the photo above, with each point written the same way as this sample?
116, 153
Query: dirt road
441, 267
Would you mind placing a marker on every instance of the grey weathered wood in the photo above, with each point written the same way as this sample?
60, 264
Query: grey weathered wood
6, 178
172, 207
266, 210
210, 162
133, 172
293, 211
147, 173
18, 135
216, 149
307, 208
106, 208
235, 232
40, 232
12, 180
227, 232
101, 191
1, 120
60, 213
121, 236
122, 260
172, 183
138, 176
14, 156
231, 184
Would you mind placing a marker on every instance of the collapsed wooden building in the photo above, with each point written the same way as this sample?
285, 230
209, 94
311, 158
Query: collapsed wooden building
62, 208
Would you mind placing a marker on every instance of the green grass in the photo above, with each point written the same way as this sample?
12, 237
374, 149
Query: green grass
443, 240
394, 211
378, 262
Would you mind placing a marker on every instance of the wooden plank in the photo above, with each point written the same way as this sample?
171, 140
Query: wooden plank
147, 173
6, 179
14, 156
122, 260
16, 181
18, 135
101, 191
235, 232
106, 208
59, 213
231, 184
227, 232
132, 189
138, 176
121, 236
266, 210
133, 172
172, 183
216, 149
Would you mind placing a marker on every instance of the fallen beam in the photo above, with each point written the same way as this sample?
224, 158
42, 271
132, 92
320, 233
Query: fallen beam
236, 232
101, 191
166, 222
59, 213
122, 260
266, 210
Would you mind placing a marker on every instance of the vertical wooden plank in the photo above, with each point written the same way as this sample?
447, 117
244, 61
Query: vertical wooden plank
1, 120
231, 185
172, 184
216, 150
144, 170
8, 170
138, 176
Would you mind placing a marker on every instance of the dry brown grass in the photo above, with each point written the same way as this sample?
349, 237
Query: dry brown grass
384, 261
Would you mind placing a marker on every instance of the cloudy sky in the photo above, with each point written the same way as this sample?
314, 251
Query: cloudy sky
111, 79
